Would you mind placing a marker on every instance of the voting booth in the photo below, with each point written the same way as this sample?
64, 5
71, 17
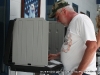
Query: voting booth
27, 46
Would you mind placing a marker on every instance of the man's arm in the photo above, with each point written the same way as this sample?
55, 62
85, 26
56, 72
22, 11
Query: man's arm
59, 54
53, 56
88, 55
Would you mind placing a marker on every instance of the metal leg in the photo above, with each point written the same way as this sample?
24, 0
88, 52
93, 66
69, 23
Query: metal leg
15, 72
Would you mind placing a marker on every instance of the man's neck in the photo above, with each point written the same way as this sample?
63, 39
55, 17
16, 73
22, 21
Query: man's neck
73, 14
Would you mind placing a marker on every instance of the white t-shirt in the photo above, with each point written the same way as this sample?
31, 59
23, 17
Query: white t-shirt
79, 31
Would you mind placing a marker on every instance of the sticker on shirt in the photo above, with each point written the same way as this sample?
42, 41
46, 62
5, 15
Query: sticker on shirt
68, 42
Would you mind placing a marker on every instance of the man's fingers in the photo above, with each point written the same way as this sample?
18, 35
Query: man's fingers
49, 55
49, 59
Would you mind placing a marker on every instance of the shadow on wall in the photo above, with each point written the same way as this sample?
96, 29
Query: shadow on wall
1, 44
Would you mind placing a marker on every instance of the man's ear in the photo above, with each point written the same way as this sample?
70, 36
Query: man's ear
64, 10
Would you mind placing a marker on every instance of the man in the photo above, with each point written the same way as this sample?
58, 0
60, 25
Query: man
78, 52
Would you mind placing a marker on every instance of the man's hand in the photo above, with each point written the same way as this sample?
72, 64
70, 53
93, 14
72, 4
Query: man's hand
76, 73
53, 56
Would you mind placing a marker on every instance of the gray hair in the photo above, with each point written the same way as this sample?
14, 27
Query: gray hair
69, 7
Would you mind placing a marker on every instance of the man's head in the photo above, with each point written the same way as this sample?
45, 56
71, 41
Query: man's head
63, 12
57, 5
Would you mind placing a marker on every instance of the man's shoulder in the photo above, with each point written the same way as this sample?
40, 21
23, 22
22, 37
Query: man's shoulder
78, 17
82, 17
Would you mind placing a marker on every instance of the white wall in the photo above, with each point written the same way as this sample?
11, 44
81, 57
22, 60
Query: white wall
84, 5
43, 8
15, 9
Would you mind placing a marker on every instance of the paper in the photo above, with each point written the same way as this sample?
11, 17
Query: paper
51, 66
55, 62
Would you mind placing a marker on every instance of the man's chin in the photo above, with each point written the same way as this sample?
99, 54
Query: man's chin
65, 25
